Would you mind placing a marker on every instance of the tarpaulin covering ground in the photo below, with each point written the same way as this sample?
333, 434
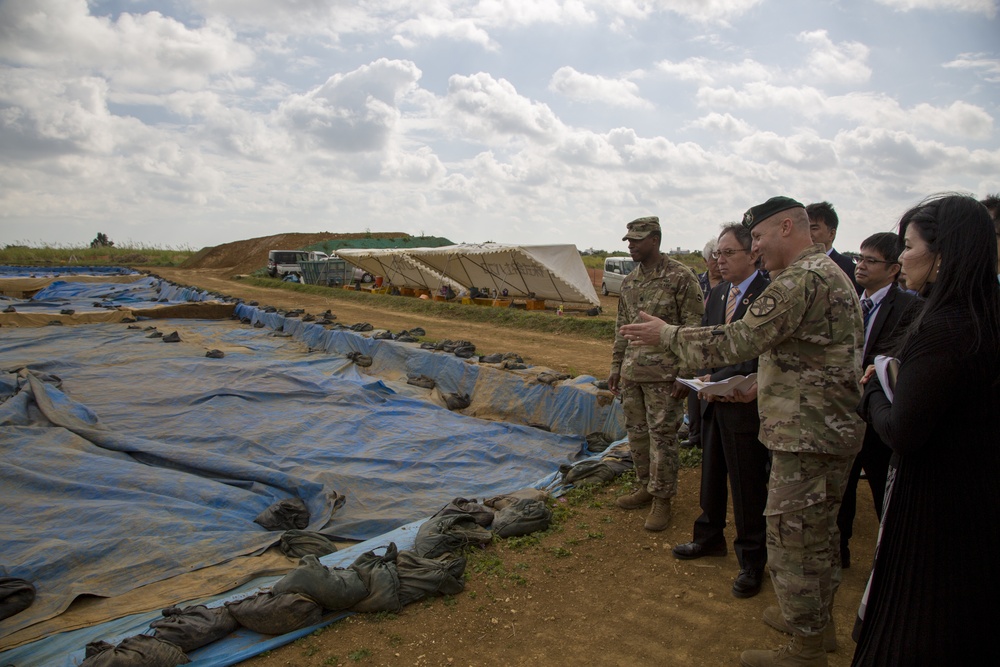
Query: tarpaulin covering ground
128, 460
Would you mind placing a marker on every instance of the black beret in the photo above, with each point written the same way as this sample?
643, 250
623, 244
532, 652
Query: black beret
761, 212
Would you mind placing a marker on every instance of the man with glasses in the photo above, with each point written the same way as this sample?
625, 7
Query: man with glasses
732, 451
806, 327
887, 312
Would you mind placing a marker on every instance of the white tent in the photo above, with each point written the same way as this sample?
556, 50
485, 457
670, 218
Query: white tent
553, 272
396, 267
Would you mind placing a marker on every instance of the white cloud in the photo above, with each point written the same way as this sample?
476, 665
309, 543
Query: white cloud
706, 71
722, 123
985, 7
147, 52
592, 88
491, 110
352, 112
988, 66
842, 63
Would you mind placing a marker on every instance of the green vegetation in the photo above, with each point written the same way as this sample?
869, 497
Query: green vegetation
133, 255
601, 327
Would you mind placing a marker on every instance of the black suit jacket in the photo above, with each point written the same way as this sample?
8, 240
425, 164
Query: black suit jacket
846, 264
715, 313
894, 315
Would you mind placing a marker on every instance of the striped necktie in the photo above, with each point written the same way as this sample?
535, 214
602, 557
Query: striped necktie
867, 305
734, 293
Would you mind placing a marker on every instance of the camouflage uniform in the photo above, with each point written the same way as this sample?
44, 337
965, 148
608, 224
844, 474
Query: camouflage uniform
806, 327
671, 292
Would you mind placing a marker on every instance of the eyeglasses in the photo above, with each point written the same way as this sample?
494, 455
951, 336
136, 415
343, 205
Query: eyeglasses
716, 254
871, 260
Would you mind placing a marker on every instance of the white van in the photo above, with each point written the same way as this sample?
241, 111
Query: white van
615, 270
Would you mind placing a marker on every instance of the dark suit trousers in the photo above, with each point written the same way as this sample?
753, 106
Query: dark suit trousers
874, 460
731, 452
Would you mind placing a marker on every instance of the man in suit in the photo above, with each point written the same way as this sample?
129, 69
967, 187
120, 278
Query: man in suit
887, 312
823, 223
730, 448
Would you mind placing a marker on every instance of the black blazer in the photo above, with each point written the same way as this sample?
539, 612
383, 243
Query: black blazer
715, 313
894, 315
846, 264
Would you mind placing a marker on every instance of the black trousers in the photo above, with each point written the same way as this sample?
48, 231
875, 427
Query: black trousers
731, 453
874, 460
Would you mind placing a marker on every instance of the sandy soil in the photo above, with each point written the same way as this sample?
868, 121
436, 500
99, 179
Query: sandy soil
601, 591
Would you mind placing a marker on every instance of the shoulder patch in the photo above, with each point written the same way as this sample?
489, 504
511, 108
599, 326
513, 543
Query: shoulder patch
763, 306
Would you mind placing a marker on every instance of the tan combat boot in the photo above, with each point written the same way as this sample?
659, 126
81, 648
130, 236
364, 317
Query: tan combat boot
659, 516
801, 652
774, 618
636, 500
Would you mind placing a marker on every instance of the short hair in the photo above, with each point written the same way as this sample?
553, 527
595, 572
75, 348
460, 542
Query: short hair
709, 248
823, 211
992, 204
740, 233
886, 244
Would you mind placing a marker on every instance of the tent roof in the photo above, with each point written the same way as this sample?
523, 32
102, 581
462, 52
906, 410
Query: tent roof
396, 266
553, 272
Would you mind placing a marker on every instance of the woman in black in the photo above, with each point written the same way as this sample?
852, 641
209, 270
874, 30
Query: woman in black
935, 587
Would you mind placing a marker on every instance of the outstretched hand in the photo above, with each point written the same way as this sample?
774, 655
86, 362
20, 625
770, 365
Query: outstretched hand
644, 332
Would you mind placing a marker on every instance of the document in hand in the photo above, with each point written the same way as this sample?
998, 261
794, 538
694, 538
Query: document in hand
722, 387
887, 369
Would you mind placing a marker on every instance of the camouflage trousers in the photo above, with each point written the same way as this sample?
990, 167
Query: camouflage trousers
652, 417
803, 541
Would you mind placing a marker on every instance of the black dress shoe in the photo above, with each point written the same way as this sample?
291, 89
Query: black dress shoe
748, 582
692, 550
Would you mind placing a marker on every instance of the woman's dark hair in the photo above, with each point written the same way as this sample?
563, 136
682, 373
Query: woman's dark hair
959, 230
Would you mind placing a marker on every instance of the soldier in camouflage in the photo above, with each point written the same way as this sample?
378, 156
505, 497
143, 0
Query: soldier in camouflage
807, 329
652, 400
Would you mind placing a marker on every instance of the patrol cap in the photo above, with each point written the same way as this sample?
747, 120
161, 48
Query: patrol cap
640, 228
762, 212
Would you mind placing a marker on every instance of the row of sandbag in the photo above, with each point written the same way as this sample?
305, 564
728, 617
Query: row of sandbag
372, 583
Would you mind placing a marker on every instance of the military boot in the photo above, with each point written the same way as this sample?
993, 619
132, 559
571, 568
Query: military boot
774, 618
801, 652
659, 516
637, 499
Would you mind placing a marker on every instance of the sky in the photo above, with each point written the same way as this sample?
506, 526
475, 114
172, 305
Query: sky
193, 123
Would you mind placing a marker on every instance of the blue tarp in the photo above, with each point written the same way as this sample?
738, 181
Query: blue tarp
151, 460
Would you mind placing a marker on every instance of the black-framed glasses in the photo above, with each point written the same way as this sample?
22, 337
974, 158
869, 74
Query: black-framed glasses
871, 260
716, 254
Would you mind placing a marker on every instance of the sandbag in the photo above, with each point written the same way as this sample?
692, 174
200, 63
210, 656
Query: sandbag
299, 543
427, 577
480, 513
334, 589
16, 595
276, 613
450, 532
522, 517
378, 573
193, 626
137, 651
286, 514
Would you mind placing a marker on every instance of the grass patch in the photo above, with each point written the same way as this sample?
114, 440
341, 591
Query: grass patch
118, 255
601, 327
690, 457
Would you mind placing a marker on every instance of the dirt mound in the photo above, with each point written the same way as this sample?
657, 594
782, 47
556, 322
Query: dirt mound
251, 254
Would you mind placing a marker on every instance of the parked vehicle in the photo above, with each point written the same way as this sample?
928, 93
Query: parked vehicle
615, 270
280, 263
360, 275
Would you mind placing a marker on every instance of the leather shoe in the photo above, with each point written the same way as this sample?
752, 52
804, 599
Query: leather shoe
748, 582
692, 550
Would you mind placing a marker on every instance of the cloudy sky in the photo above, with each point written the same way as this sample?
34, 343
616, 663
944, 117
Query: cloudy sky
193, 123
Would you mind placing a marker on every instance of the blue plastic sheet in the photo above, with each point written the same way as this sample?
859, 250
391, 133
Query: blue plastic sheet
151, 459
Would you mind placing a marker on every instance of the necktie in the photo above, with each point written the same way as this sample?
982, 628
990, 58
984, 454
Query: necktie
734, 293
866, 309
